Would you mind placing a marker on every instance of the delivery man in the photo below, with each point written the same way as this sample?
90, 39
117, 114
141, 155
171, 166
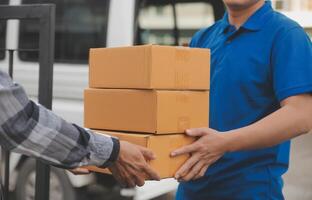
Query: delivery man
261, 97
30, 129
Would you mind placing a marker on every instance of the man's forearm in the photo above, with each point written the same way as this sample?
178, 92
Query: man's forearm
292, 120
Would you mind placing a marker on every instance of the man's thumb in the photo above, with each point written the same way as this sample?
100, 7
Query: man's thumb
196, 132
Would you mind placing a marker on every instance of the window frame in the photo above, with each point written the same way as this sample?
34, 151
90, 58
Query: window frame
67, 60
217, 6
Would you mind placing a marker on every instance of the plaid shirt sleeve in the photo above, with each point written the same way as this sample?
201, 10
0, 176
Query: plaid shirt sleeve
31, 129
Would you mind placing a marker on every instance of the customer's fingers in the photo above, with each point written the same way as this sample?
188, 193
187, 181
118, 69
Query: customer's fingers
139, 180
151, 174
120, 180
148, 154
130, 180
119, 176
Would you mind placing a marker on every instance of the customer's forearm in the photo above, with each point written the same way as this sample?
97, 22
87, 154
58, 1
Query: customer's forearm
292, 120
31, 129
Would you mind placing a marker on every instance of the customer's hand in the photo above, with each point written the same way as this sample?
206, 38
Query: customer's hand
131, 168
209, 147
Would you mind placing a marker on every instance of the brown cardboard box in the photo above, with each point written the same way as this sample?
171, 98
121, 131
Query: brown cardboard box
148, 111
161, 145
150, 67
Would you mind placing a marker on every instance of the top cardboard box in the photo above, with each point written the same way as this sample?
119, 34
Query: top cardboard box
150, 67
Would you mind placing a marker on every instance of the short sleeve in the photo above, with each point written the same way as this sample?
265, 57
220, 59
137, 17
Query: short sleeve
194, 40
292, 64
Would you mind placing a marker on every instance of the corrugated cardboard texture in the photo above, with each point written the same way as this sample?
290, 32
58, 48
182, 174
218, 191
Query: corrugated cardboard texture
147, 111
150, 67
161, 145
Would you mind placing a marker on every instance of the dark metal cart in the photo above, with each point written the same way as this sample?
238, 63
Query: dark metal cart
45, 14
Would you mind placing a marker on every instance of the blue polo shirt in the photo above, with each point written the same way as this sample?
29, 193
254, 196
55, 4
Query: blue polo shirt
253, 69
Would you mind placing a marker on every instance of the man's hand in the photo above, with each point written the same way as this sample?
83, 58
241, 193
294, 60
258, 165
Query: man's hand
209, 147
131, 167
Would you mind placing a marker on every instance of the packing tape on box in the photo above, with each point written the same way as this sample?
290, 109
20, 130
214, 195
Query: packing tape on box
182, 79
182, 54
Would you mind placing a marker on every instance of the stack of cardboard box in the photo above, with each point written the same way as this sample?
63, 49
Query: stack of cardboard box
149, 95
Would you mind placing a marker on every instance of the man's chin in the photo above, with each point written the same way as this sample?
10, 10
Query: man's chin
237, 6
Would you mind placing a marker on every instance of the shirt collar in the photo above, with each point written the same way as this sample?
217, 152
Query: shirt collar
255, 22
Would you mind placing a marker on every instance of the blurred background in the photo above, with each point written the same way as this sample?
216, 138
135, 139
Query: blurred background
157, 22
84, 24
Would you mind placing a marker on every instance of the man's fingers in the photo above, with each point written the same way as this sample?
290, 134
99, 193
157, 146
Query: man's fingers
195, 132
184, 150
193, 172
151, 174
148, 154
198, 132
202, 172
186, 167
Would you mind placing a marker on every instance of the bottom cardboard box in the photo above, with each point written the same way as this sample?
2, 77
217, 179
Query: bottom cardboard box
161, 145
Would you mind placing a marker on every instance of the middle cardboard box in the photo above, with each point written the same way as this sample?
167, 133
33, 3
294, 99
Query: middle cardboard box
146, 111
